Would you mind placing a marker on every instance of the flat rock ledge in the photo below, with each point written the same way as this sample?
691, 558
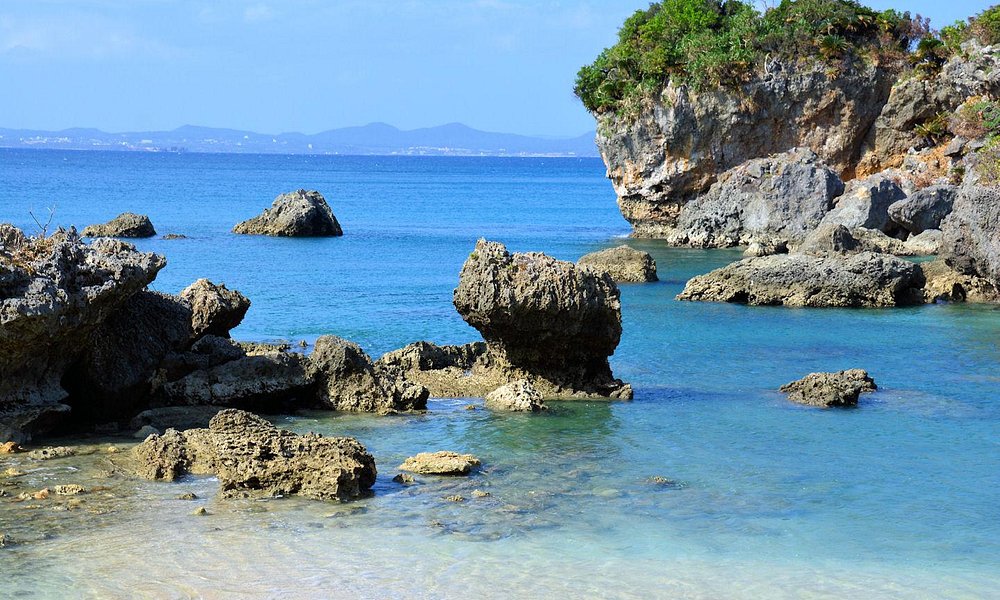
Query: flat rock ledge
865, 279
623, 263
253, 458
443, 462
828, 390
125, 225
516, 396
296, 214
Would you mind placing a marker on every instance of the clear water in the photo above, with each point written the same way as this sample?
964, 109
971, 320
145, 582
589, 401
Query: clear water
896, 499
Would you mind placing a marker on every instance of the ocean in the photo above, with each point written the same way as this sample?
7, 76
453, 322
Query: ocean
898, 498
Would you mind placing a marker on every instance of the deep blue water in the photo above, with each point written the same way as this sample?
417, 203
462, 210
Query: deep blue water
898, 497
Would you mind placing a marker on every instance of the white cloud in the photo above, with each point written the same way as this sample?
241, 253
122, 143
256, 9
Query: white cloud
76, 37
258, 13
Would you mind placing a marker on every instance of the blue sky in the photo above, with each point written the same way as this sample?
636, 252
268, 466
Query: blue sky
310, 65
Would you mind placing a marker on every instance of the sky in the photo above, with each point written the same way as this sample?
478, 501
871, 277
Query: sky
275, 66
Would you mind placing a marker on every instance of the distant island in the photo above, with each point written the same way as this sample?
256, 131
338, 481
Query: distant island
454, 139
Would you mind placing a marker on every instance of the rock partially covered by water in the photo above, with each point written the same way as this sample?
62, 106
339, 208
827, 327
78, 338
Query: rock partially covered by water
830, 389
296, 214
779, 198
624, 264
443, 462
215, 308
251, 457
864, 279
547, 317
125, 225
945, 284
971, 233
348, 380
516, 396
54, 294
924, 209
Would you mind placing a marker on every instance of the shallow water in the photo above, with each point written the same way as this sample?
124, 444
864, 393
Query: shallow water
897, 498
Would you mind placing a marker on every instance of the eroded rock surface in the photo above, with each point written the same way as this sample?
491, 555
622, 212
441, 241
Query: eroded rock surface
443, 462
125, 225
215, 308
830, 389
924, 209
296, 214
624, 264
516, 396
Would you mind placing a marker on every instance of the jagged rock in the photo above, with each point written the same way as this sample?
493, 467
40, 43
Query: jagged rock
266, 381
549, 318
175, 417
443, 462
53, 452
10, 448
865, 203
215, 308
944, 284
971, 233
516, 396
781, 197
54, 294
864, 279
174, 236
924, 209
296, 214
926, 243
623, 263
830, 389
69, 489
113, 377
765, 247
675, 149
251, 457
833, 238
125, 225
348, 380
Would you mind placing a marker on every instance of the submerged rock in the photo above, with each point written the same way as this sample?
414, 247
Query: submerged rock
251, 457
296, 214
864, 279
440, 463
348, 380
215, 308
623, 263
125, 225
516, 396
547, 318
830, 389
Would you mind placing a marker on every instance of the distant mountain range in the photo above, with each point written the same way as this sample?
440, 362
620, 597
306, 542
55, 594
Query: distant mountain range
453, 139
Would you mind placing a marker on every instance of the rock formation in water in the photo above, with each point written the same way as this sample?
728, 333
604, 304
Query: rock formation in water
624, 264
516, 396
545, 320
251, 457
863, 279
296, 214
55, 293
125, 225
827, 390
215, 308
443, 462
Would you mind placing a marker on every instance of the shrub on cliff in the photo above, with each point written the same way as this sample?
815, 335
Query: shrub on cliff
719, 42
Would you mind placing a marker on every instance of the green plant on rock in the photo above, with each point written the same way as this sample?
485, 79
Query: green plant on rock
934, 130
986, 26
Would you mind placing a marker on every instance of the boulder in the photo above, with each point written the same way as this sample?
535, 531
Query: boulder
251, 457
945, 284
440, 463
624, 264
296, 214
830, 389
54, 293
348, 380
971, 233
924, 209
215, 308
547, 317
765, 247
864, 279
677, 146
175, 417
516, 396
926, 243
774, 199
125, 225
865, 203
834, 238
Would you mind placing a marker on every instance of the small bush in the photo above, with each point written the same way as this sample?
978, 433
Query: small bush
986, 26
977, 118
933, 130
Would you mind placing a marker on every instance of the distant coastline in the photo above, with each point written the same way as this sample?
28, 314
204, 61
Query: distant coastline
375, 139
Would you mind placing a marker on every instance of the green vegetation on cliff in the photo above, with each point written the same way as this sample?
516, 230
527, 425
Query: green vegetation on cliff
723, 42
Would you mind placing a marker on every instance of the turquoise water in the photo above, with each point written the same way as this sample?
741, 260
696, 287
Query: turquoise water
898, 498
